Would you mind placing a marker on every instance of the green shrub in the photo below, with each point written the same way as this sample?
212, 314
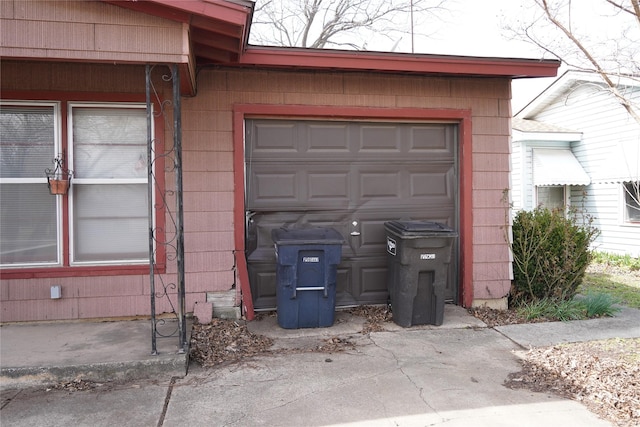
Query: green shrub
552, 309
532, 310
599, 304
567, 310
550, 254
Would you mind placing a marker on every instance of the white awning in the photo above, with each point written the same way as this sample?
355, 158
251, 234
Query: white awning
557, 167
621, 165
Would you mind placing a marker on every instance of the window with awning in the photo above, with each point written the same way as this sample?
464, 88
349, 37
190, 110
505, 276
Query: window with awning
553, 166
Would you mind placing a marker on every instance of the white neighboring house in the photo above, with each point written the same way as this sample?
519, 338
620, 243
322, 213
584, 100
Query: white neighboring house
574, 144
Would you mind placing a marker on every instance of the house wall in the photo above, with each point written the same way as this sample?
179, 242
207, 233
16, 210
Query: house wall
208, 180
604, 124
488, 99
73, 30
92, 293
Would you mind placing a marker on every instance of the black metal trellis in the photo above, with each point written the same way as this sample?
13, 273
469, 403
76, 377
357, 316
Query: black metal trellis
171, 240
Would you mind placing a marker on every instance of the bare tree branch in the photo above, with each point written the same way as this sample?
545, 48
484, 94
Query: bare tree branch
590, 56
335, 23
563, 32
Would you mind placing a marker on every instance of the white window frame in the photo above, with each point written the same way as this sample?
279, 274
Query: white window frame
65, 242
565, 195
57, 146
80, 181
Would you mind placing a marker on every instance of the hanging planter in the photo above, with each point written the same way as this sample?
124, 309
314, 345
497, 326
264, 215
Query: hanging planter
58, 178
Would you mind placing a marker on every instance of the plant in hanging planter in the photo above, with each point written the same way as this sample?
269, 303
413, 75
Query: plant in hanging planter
59, 177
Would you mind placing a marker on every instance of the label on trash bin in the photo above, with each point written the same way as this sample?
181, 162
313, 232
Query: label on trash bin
391, 246
310, 259
427, 256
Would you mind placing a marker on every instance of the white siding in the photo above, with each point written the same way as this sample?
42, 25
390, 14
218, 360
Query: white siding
592, 110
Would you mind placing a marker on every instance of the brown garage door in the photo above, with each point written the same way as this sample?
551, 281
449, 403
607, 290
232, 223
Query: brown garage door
352, 176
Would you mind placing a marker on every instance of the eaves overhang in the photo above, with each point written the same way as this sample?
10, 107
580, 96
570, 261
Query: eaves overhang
323, 59
219, 30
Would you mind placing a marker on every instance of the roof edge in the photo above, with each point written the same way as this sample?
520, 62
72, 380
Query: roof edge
560, 84
326, 59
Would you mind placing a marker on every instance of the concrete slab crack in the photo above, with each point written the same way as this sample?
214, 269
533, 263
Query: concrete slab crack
166, 401
407, 376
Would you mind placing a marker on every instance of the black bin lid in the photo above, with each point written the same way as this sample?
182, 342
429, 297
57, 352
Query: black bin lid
308, 236
419, 228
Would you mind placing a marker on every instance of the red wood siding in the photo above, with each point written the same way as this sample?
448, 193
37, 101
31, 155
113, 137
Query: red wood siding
73, 30
210, 191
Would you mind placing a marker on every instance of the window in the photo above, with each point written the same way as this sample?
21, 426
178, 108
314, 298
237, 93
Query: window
632, 202
551, 197
29, 221
104, 217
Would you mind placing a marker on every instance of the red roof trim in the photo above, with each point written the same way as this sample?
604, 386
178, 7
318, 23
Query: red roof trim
397, 62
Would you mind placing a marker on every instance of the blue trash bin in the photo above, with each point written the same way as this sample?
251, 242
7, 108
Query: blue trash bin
307, 261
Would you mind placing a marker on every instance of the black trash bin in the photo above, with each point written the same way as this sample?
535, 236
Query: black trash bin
418, 254
307, 261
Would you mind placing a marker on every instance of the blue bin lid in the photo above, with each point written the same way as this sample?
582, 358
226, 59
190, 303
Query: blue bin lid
306, 236
419, 228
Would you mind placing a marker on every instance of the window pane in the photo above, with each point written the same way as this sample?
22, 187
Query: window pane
109, 143
551, 197
27, 136
632, 201
28, 230
110, 222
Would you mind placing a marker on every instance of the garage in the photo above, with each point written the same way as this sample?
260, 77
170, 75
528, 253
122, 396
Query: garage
352, 176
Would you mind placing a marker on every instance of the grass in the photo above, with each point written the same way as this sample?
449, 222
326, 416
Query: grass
591, 306
624, 261
598, 304
601, 292
625, 288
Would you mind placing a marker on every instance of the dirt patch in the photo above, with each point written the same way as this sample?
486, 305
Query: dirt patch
493, 317
224, 340
603, 375
228, 341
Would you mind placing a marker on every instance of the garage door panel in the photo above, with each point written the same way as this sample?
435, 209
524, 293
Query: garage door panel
331, 138
351, 176
372, 238
262, 280
380, 184
273, 136
329, 187
434, 139
436, 185
379, 139
368, 281
276, 188
336, 184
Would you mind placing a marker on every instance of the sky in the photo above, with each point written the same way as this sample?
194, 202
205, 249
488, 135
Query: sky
478, 28
475, 28
465, 28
